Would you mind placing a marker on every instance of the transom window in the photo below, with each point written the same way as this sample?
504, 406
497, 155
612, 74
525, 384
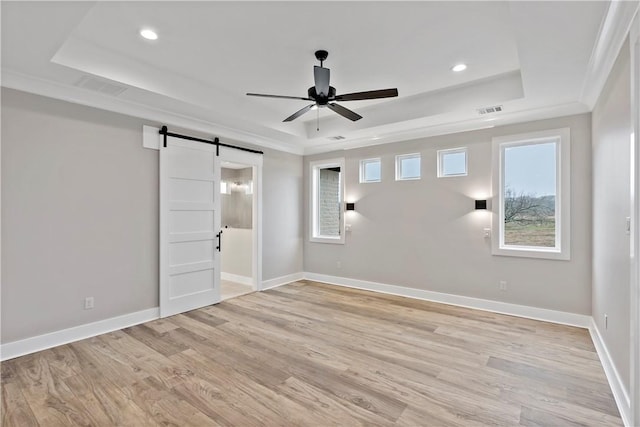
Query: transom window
452, 162
370, 170
407, 167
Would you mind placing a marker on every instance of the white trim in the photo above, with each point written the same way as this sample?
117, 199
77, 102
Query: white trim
255, 161
282, 280
53, 339
16, 80
612, 35
528, 312
613, 376
634, 283
562, 138
244, 280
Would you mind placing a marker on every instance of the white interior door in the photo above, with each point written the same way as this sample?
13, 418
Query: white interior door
189, 226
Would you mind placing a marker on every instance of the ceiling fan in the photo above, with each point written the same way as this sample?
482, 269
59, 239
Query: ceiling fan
324, 95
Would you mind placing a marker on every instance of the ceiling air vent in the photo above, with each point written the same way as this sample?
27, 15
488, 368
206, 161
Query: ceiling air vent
489, 110
337, 138
99, 85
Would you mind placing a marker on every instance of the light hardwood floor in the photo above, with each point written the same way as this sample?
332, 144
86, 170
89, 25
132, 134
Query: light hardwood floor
229, 289
317, 355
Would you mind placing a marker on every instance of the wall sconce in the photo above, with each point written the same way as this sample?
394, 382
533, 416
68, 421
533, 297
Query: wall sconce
351, 206
481, 204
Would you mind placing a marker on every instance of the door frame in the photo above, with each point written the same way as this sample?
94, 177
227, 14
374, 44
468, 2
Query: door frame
254, 161
634, 46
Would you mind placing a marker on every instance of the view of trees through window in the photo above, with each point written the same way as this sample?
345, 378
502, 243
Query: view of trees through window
530, 195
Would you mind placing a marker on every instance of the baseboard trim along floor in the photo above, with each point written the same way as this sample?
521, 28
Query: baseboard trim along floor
553, 316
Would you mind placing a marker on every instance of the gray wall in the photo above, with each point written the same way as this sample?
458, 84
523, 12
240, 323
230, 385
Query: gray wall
425, 234
611, 205
282, 201
80, 215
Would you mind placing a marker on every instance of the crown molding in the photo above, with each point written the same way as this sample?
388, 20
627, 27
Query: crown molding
27, 83
503, 119
612, 35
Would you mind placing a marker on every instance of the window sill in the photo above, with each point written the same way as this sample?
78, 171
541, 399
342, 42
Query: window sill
330, 240
538, 253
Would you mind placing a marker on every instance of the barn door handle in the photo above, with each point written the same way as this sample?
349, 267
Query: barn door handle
219, 236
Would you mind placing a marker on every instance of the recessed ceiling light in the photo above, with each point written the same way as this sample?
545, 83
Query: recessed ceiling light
148, 34
459, 67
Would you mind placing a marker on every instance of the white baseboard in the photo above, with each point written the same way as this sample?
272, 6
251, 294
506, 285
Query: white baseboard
561, 317
244, 280
14, 349
620, 394
283, 280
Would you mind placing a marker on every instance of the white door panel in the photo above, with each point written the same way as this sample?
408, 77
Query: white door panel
189, 226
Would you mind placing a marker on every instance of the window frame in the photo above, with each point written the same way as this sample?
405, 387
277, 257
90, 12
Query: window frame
562, 250
363, 162
314, 168
440, 162
399, 159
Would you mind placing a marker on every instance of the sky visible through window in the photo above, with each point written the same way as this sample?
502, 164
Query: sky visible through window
454, 163
410, 167
372, 170
531, 169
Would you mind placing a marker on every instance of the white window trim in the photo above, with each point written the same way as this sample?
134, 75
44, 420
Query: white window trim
362, 177
399, 158
313, 216
441, 153
562, 251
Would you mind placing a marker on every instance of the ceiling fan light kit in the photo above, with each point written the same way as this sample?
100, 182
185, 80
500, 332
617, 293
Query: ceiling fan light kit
324, 95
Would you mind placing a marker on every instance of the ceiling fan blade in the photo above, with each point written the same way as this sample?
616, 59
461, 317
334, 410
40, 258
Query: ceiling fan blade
344, 112
279, 96
299, 113
321, 78
371, 94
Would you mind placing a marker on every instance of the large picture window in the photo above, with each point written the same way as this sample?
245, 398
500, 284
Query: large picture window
327, 213
531, 185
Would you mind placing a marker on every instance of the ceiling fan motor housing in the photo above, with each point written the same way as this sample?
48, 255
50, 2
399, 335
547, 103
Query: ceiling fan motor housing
321, 100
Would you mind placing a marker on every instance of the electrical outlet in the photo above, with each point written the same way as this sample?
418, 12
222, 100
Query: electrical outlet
503, 285
88, 303
339, 264
606, 321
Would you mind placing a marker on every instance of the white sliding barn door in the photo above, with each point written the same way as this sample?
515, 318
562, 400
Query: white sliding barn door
189, 226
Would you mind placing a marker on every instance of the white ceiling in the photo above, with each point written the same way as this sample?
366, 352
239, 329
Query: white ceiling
534, 58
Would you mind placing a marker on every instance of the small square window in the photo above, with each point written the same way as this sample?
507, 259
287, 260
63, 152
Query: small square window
370, 170
407, 167
452, 162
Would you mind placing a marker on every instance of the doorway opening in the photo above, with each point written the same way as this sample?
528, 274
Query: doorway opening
237, 198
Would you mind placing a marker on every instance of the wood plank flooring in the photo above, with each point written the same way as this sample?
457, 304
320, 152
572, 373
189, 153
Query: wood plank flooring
229, 289
311, 354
